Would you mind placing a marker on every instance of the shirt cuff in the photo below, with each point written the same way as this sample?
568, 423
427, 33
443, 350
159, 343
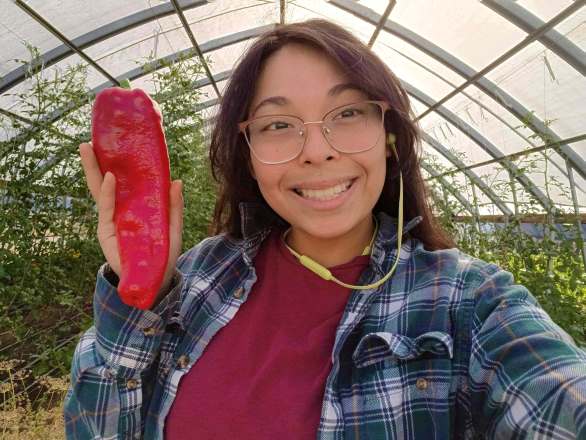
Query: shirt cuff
128, 338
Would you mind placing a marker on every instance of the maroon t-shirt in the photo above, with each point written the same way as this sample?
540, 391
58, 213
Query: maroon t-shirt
263, 375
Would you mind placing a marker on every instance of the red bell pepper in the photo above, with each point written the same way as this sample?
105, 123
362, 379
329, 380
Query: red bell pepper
129, 141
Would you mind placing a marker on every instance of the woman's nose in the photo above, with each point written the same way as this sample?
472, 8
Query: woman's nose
316, 148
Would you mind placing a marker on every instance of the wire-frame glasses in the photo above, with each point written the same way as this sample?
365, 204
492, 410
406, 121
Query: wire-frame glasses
351, 128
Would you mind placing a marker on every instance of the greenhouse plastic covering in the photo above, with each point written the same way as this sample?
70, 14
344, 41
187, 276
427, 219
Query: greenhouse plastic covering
475, 70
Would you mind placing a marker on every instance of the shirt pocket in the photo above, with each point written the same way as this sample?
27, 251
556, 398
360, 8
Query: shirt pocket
399, 386
380, 346
397, 371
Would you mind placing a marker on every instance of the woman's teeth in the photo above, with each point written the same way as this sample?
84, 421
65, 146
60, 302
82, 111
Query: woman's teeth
324, 194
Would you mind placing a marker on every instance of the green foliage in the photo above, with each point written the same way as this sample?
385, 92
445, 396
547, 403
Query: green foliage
552, 267
183, 123
49, 253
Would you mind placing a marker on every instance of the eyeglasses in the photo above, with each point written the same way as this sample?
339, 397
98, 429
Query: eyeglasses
351, 128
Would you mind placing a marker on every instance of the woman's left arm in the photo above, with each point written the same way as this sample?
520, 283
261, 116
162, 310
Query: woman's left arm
527, 377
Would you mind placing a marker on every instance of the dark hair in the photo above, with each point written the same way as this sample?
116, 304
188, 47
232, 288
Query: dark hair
230, 156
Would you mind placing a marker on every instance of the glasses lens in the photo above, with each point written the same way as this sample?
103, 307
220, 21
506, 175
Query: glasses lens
275, 139
355, 127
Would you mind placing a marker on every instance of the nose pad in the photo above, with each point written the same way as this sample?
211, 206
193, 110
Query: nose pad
315, 153
327, 133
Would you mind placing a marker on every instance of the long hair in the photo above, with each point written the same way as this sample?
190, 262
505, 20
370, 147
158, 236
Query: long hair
230, 155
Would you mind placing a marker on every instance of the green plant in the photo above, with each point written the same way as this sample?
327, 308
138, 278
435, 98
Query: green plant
551, 267
49, 254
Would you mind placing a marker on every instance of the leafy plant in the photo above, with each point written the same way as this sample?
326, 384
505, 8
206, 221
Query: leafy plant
49, 254
550, 266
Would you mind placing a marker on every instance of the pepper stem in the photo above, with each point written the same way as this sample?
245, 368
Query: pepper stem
125, 84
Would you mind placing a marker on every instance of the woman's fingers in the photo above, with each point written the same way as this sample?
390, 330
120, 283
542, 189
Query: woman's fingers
175, 228
91, 169
106, 227
176, 208
107, 197
175, 220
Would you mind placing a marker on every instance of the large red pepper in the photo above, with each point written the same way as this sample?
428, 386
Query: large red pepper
129, 141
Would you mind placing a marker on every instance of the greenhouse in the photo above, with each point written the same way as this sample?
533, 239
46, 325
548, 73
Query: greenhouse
497, 89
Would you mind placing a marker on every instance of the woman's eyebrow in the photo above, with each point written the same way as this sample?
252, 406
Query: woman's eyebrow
281, 100
339, 88
277, 100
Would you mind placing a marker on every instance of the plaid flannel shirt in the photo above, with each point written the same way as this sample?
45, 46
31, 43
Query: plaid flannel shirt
448, 348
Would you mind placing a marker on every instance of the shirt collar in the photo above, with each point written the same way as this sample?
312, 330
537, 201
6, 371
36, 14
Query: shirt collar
386, 239
257, 220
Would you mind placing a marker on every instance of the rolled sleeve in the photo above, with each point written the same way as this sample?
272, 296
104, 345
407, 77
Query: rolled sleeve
528, 377
128, 338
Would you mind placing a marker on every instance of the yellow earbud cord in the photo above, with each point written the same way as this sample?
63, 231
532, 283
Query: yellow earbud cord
324, 273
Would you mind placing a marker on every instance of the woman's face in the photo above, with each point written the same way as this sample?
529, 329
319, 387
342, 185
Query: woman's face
303, 78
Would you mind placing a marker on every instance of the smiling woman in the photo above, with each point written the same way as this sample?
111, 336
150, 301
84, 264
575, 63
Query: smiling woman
327, 196
314, 151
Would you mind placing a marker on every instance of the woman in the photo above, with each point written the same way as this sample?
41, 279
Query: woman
312, 146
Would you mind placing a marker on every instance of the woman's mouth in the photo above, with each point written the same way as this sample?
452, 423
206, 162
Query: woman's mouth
325, 193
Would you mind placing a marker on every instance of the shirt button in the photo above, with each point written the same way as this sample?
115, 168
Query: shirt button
239, 293
149, 331
421, 384
183, 361
131, 384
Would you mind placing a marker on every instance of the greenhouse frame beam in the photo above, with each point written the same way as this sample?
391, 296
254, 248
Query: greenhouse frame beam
98, 35
33, 123
208, 46
195, 45
483, 107
476, 180
160, 62
53, 30
198, 84
12, 115
381, 22
530, 38
525, 218
447, 185
522, 153
552, 39
579, 219
453, 63
282, 6
483, 143
157, 64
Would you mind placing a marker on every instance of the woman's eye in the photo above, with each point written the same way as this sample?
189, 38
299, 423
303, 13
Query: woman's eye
348, 113
276, 125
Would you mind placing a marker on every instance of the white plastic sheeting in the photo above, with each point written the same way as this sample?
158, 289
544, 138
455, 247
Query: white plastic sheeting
433, 46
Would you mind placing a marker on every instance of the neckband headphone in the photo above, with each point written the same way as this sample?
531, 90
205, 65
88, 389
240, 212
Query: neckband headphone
324, 273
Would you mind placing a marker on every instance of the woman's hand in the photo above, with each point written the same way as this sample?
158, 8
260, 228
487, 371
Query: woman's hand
103, 190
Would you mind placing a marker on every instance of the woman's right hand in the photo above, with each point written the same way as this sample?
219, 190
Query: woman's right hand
103, 190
